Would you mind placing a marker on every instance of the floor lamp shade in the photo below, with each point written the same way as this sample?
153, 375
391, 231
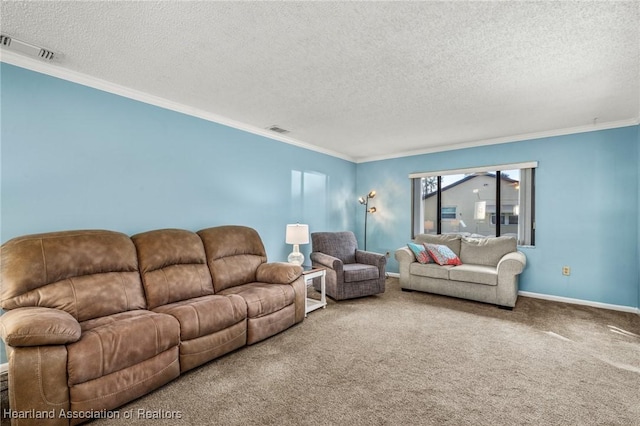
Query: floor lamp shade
297, 234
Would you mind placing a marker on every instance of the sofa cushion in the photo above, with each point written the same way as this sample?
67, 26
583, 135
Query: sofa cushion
206, 315
431, 270
486, 251
420, 252
450, 240
88, 274
173, 266
233, 255
262, 298
119, 341
354, 272
442, 254
475, 274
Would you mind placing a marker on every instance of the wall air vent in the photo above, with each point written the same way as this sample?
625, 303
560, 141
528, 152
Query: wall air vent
277, 129
25, 48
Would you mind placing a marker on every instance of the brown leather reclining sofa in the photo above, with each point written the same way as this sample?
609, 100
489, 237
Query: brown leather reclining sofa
95, 319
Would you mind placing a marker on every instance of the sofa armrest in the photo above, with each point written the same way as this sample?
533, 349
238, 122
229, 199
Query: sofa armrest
327, 261
371, 258
278, 273
34, 326
512, 263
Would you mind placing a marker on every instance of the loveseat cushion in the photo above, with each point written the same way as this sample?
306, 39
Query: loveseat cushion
206, 315
442, 255
354, 272
420, 252
112, 343
430, 270
486, 251
263, 299
450, 240
474, 274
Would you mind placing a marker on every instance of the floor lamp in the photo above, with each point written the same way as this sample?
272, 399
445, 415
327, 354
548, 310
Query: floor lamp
367, 210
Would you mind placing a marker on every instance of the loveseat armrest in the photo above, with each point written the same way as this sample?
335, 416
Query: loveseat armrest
327, 261
404, 256
35, 326
371, 258
278, 273
512, 263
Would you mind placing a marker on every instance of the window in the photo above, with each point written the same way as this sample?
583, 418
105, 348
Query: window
448, 213
488, 201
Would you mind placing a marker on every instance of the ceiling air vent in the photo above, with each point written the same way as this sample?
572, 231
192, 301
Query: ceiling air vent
277, 129
46, 54
25, 48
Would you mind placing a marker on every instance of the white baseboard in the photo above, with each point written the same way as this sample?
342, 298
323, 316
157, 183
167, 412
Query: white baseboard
621, 308
4, 367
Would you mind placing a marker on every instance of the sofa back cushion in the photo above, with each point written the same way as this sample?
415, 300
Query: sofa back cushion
342, 245
173, 266
486, 251
233, 255
450, 240
88, 274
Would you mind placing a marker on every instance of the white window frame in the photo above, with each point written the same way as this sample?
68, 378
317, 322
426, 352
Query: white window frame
526, 217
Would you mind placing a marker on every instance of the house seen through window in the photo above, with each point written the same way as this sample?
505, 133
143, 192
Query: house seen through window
487, 201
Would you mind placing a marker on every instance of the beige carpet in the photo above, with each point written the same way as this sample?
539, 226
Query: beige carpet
414, 358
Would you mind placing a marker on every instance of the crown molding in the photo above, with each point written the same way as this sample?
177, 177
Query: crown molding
55, 70
507, 139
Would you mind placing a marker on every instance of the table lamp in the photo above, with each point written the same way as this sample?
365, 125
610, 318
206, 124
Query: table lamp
297, 234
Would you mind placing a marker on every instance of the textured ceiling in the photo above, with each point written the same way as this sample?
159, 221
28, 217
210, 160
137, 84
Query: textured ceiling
363, 80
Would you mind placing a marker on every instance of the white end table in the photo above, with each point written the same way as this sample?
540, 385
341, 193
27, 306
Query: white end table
312, 304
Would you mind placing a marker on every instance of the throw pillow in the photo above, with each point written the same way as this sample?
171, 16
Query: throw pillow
420, 252
442, 255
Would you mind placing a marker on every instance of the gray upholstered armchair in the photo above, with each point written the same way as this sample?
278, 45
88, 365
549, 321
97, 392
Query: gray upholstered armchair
350, 272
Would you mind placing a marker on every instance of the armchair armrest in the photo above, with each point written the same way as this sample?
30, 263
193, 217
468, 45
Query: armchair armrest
327, 261
278, 273
371, 258
512, 263
35, 326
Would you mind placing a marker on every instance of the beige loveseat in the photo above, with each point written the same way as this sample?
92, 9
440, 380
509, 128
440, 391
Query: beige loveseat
488, 273
95, 319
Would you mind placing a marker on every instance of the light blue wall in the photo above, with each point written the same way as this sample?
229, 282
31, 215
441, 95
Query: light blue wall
586, 209
76, 158
73, 157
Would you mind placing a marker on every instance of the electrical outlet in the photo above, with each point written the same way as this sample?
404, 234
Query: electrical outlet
566, 270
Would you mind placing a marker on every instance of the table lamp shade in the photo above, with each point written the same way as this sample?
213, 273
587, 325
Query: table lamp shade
297, 234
